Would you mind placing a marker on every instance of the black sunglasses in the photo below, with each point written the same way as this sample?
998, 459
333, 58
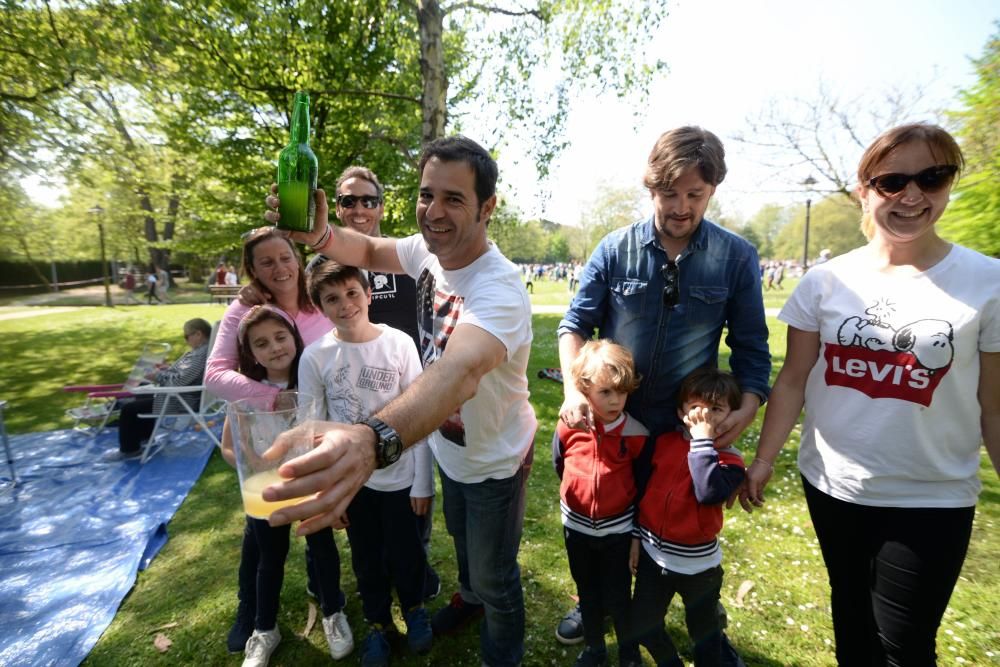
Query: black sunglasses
930, 180
671, 292
349, 201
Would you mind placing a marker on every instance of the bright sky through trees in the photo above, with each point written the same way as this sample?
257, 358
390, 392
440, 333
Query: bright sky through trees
729, 58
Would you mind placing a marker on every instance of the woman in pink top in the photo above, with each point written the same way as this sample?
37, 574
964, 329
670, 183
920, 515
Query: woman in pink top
274, 267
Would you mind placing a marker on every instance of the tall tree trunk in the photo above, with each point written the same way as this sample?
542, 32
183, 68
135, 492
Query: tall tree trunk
433, 102
26, 249
157, 256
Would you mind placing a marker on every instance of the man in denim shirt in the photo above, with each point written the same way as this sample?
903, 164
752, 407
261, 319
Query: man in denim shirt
665, 288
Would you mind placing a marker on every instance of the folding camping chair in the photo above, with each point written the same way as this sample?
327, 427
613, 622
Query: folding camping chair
102, 400
210, 409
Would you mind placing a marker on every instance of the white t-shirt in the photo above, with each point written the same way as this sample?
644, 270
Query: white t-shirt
892, 415
355, 380
489, 436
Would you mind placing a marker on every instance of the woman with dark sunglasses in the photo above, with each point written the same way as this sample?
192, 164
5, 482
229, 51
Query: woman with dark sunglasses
894, 351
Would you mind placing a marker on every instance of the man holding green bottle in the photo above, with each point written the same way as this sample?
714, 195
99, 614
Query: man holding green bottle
471, 401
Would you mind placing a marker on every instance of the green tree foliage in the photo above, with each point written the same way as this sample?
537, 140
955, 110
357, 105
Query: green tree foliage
531, 58
612, 207
762, 229
558, 248
972, 217
170, 115
833, 223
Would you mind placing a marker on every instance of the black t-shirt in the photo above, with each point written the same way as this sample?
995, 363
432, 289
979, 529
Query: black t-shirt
394, 302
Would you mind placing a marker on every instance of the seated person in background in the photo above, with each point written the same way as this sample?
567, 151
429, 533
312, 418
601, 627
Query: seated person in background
186, 371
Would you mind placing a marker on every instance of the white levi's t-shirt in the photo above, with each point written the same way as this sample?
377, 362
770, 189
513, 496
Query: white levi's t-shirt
489, 436
892, 414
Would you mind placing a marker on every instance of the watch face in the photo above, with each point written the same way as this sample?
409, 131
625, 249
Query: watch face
393, 448
389, 447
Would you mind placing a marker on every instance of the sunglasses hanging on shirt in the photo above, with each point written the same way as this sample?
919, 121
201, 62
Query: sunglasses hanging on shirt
671, 290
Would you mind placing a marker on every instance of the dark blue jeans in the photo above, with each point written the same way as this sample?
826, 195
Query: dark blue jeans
655, 588
599, 566
485, 520
386, 551
892, 571
267, 578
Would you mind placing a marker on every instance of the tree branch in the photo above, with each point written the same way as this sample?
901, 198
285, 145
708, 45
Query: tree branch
490, 9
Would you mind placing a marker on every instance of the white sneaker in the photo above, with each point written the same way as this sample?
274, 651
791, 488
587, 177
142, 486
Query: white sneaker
338, 635
260, 646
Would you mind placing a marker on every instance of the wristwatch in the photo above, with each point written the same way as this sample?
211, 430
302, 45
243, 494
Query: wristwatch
388, 446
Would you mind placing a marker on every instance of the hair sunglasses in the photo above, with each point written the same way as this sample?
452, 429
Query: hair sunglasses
255, 232
930, 180
350, 201
671, 291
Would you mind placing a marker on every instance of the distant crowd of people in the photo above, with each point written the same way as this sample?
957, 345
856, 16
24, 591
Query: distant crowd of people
569, 271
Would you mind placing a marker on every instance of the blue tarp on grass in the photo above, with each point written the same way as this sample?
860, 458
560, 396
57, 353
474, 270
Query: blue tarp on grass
75, 531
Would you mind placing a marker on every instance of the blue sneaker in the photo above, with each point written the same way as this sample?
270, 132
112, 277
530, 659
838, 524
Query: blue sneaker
375, 649
419, 636
570, 628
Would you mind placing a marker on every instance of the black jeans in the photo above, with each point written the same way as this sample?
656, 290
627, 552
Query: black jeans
272, 550
655, 588
599, 566
131, 429
891, 571
386, 552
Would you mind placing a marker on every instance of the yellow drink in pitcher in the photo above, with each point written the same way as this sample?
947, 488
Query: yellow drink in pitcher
253, 502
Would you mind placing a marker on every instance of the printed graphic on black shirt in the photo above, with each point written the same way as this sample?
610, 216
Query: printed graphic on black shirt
882, 361
438, 315
383, 285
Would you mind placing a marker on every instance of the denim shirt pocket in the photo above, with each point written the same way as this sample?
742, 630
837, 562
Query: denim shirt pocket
628, 297
707, 305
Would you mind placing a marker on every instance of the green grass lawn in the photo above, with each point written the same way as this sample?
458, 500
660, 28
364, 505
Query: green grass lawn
188, 594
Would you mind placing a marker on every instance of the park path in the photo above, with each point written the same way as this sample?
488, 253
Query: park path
35, 312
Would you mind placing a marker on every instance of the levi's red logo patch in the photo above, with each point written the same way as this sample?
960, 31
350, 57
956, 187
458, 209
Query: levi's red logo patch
881, 361
881, 373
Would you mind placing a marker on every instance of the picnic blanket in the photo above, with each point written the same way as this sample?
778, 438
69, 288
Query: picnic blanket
75, 531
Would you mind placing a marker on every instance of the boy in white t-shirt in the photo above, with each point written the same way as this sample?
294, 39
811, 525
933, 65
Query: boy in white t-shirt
356, 369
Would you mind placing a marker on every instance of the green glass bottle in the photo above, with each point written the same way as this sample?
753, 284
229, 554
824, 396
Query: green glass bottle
298, 169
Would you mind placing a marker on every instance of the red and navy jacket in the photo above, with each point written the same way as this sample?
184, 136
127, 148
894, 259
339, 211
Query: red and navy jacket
598, 490
680, 513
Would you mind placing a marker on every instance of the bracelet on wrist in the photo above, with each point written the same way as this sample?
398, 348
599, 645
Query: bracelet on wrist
323, 240
770, 466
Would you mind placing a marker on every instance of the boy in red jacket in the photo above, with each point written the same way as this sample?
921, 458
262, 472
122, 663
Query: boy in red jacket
598, 494
680, 516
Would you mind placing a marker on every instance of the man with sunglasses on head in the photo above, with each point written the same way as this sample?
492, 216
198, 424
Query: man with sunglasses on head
665, 288
360, 206
471, 401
